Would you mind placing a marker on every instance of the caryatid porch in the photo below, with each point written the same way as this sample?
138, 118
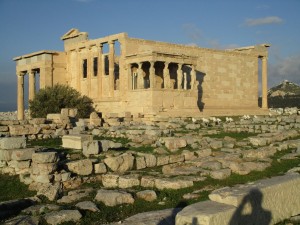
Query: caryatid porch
162, 71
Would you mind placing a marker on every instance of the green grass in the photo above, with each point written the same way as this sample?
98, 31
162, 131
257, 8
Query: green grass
238, 136
173, 198
49, 143
123, 141
11, 188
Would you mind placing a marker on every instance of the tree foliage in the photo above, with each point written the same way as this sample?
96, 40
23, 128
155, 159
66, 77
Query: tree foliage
53, 99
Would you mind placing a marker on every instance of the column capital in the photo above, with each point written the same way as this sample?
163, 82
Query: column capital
21, 74
111, 42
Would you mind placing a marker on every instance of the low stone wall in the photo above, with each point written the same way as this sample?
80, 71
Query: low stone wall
267, 201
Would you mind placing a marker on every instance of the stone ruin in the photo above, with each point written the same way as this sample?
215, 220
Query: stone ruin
178, 158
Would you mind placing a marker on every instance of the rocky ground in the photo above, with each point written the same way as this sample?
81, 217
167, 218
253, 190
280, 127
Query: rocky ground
136, 163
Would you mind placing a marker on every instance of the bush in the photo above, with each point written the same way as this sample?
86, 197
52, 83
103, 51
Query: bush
53, 99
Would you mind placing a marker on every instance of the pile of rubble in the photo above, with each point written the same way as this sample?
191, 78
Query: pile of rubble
182, 152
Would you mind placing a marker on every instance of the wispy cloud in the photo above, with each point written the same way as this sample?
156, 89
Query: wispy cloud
263, 21
285, 69
192, 31
263, 7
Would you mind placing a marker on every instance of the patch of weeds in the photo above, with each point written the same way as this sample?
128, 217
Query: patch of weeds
123, 141
238, 136
49, 143
11, 188
143, 149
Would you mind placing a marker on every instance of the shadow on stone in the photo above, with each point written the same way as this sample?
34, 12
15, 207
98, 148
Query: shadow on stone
200, 79
170, 220
250, 211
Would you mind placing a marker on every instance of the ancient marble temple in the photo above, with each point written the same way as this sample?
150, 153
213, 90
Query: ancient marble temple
150, 78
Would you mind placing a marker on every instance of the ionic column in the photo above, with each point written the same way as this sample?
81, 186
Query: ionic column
111, 67
31, 84
20, 96
179, 76
193, 77
152, 75
166, 75
100, 71
140, 81
264, 85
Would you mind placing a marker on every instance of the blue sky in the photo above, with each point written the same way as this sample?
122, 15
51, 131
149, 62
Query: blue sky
32, 25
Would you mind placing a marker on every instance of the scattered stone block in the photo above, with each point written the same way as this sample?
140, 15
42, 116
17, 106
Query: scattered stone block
87, 205
147, 195
172, 183
91, 148
161, 217
51, 191
75, 141
120, 163
62, 216
220, 174
110, 180
163, 160
173, 144
75, 195
81, 167
148, 181
140, 162
23, 219
44, 157
100, 168
129, 181
22, 154
43, 168
36, 210
113, 198
205, 213
12, 142
283, 206
5, 155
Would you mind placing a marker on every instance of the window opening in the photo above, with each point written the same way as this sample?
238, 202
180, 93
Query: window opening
95, 66
84, 68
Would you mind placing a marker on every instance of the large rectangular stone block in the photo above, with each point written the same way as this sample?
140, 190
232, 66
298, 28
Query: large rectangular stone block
278, 196
12, 142
206, 213
75, 141
22, 154
5, 155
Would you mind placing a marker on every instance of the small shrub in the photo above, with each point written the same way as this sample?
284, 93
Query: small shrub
53, 99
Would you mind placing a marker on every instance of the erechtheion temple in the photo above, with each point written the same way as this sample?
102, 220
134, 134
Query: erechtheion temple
124, 74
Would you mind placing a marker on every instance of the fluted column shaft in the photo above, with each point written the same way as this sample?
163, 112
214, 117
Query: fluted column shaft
100, 69
264, 83
111, 67
20, 96
31, 84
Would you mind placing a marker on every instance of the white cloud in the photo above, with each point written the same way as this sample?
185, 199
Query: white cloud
263, 21
192, 31
285, 69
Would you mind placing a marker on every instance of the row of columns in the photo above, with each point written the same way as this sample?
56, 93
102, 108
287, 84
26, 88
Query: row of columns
166, 76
